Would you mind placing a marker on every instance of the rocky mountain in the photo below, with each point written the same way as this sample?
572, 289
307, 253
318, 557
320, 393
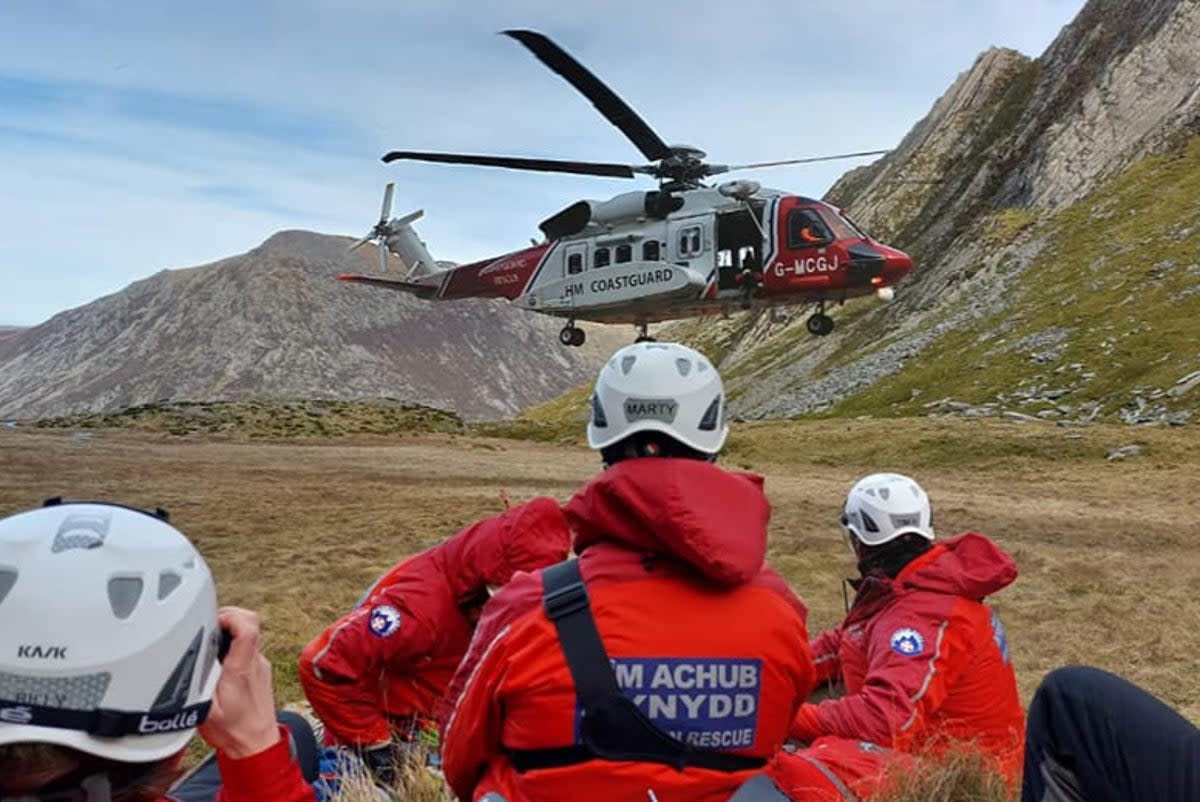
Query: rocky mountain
1052, 206
273, 323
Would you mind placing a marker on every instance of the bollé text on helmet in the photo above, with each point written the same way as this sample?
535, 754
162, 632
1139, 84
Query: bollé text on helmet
183, 720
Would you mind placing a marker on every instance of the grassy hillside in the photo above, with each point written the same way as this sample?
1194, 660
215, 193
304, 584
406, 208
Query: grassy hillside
1107, 312
282, 419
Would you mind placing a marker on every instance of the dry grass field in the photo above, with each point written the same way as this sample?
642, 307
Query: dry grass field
1108, 550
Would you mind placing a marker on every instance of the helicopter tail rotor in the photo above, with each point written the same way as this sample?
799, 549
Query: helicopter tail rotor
398, 236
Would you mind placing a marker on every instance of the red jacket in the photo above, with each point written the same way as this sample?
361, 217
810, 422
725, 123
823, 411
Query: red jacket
672, 554
923, 659
269, 776
394, 655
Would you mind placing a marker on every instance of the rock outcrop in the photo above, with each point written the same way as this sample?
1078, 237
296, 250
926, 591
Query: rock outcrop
1013, 143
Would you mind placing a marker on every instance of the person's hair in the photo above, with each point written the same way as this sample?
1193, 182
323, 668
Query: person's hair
650, 444
890, 558
147, 782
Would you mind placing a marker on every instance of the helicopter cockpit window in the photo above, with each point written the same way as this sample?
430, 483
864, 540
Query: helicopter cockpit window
806, 229
690, 242
575, 263
650, 252
624, 254
601, 258
842, 228
858, 230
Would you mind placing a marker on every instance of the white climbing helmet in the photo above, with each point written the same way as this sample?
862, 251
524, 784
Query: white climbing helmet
659, 387
883, 506
110, 639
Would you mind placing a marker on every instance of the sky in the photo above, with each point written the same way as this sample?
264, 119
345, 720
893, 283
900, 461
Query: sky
139, 135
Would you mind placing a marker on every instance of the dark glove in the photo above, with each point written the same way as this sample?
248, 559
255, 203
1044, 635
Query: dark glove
383, 761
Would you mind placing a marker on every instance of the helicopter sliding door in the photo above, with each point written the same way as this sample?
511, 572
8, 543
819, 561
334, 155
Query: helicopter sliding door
739, 244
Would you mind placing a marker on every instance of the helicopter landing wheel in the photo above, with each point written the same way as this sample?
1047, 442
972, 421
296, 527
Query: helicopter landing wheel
572, 335
819, 324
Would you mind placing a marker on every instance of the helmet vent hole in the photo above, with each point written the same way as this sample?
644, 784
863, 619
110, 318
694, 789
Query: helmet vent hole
167, 582
884, 493
599, 419
174, 692
123, 595
711, 416
80, 532
8, 578
683, 366
627, 364
868, 522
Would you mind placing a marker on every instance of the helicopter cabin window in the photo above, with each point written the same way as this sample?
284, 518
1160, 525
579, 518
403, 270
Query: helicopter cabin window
601, 258
806, 229
690, 242
624, 254
650, 252
575, 263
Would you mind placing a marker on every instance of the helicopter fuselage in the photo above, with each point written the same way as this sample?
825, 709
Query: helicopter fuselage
614, 262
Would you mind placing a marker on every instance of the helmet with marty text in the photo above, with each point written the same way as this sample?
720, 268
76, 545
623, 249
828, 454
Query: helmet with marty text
662, 388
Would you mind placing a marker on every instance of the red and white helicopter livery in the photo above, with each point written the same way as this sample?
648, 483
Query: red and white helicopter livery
681, 250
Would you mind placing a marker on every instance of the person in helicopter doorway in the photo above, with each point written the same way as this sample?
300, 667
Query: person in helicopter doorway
667, 661
924, 662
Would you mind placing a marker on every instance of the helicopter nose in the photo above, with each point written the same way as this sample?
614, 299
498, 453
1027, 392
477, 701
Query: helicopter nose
897, 265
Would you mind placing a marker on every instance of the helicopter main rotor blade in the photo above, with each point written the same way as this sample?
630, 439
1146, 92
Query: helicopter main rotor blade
358, 244
516, 163
615, 110
807, 161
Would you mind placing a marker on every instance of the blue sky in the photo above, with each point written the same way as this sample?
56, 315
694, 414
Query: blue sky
139, 135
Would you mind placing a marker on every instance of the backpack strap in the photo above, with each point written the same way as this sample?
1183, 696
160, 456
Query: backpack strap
612, 727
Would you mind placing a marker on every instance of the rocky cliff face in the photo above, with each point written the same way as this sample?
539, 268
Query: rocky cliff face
973, 191
274, 323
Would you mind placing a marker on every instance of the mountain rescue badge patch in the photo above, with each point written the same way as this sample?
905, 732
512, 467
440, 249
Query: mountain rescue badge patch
384, 621
908, 642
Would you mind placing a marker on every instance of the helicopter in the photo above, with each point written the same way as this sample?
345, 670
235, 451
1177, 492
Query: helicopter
685, 249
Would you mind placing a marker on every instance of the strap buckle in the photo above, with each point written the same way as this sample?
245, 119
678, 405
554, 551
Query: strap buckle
561, 602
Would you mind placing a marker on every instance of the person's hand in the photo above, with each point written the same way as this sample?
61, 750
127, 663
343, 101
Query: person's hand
241, 722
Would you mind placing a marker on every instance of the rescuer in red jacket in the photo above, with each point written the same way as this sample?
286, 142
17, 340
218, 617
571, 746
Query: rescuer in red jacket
376, 676
922, 659
708, 648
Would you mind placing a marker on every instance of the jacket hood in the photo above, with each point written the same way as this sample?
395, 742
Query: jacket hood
525, 537
706, 517
968, 565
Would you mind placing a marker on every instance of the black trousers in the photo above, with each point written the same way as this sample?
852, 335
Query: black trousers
202, 784
1094, 737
